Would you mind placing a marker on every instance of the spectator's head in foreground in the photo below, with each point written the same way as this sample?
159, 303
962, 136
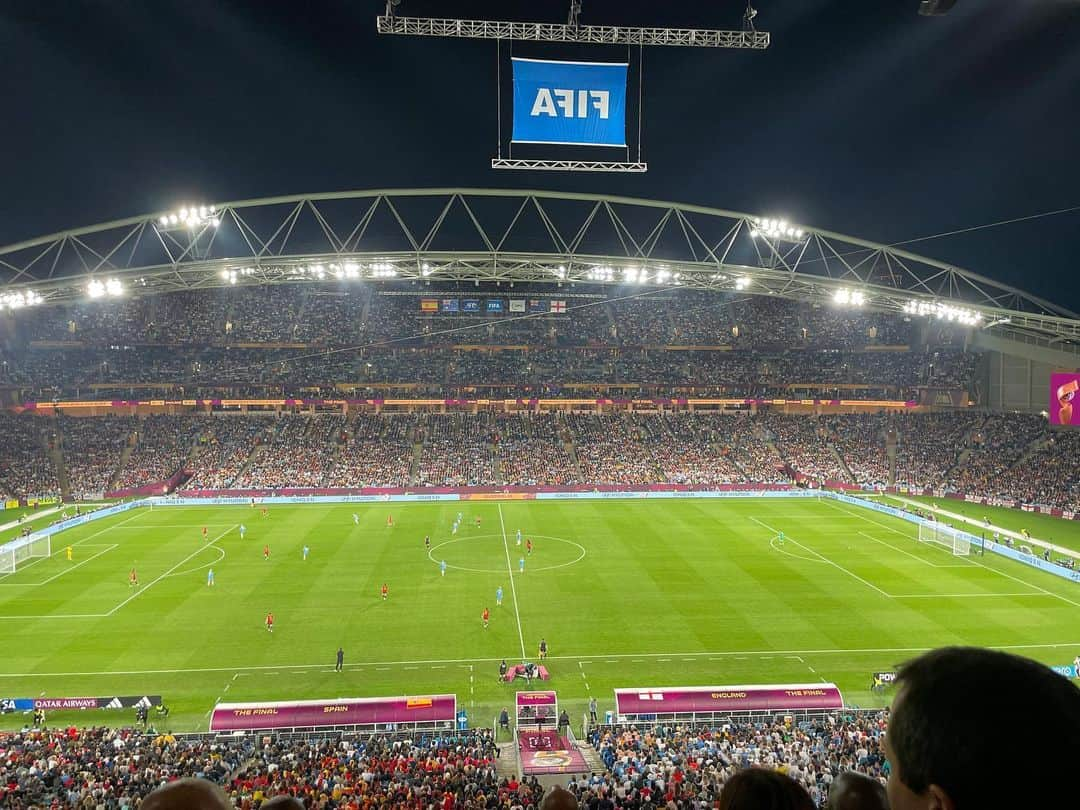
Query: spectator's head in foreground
857, 791
282, 803
762, 789
958, 710
558, 798
187, 794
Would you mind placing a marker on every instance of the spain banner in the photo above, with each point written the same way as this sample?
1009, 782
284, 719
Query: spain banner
429, 305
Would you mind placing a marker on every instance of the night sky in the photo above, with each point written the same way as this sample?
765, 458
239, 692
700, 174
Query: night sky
862, 117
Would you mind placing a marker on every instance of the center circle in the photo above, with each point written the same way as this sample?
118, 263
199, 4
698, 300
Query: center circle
476, 549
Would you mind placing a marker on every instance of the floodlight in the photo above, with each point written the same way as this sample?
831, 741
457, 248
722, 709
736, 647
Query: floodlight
742, 282
776, 229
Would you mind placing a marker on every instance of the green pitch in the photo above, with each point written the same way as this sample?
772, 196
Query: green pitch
627, 593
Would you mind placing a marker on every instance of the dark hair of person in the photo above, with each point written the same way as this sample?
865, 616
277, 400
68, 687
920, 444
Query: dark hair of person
959, 710
763, 789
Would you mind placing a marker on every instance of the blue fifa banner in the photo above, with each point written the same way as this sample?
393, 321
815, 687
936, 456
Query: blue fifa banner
495, 306
570, 103
470, 305
449, 305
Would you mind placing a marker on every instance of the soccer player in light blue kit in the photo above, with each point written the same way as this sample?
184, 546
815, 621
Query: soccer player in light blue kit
210, 578
442, 567
498, 596
521, 565
306, 551
519, 537
781, 538
454, 529
243, 531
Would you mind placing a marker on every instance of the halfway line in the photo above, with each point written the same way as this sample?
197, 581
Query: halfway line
513, 590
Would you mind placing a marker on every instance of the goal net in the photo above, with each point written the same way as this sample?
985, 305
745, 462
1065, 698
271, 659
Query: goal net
956, 541
18, 552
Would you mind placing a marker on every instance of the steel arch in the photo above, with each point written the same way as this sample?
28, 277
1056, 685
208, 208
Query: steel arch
504, 235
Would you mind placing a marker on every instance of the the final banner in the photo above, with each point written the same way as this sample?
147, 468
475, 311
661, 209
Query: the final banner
569, 103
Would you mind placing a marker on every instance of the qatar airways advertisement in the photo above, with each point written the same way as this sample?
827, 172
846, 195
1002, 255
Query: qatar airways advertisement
1064, 402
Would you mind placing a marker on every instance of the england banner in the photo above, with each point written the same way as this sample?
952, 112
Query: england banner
569, 103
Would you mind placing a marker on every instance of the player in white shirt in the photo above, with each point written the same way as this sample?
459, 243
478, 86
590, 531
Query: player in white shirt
355, 519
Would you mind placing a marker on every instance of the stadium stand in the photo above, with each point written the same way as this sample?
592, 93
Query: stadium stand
1004, 456
25, 469
644, 767
286, 339
318, 341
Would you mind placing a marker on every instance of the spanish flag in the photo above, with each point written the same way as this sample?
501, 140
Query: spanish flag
418, 703
429, 305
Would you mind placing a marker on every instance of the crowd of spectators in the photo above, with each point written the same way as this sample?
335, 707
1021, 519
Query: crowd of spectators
299, 339
377, 452
689, 765
646, 766
1045, 476
226, 443
92, 449
299, 452
531, 448
861, 440
26, 471
456, 451
803, 443
163, 444
1006, 456
928, 446
100, 767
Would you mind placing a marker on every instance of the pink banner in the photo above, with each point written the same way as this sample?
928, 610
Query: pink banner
344, 712
704, 699
536, 699
1064, 399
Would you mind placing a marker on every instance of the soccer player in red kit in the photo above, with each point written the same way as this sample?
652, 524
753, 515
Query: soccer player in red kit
270, 622
385, 591
203, 532
478, 521
389, 521
133, 578
528, 545
486, 615
266, 552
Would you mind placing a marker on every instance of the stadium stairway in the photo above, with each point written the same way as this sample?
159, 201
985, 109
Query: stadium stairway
414, 465
506, 765
125, 456
592, 757
890, 456
843, 464
62, 478
1032, 449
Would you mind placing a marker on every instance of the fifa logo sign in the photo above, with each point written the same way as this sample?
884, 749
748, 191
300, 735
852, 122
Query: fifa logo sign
557, 102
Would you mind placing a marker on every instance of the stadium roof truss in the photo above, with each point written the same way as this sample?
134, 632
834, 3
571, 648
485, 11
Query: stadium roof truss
430, 236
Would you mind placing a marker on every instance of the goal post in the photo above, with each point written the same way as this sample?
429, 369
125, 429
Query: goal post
954, 540
18, 552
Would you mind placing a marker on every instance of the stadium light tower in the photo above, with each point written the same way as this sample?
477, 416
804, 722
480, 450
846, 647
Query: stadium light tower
779, 238
187, 226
